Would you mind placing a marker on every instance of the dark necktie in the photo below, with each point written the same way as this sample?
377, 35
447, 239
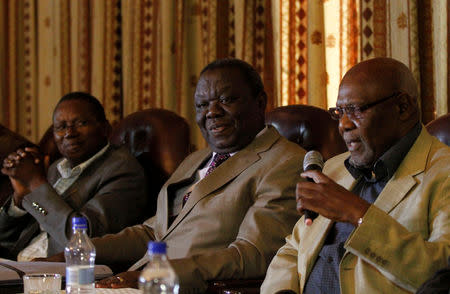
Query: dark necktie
218, 159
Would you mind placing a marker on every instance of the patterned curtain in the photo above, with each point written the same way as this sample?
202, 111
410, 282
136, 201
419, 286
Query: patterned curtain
137, 54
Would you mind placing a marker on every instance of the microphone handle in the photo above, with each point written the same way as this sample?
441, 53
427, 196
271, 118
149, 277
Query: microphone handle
309, 214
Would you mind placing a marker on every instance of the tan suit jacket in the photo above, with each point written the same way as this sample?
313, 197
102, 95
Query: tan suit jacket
404, 237
234, 221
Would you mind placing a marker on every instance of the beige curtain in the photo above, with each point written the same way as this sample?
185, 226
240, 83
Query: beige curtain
137, 54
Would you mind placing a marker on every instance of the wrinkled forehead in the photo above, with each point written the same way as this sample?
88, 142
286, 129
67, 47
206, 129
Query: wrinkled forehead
362, 89
219, 79
74, 109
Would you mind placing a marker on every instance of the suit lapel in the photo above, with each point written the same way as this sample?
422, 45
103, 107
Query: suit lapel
182, 176
312, 238
403, 179
225, 172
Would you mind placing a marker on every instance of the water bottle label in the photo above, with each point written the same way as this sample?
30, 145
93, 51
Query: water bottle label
80, 275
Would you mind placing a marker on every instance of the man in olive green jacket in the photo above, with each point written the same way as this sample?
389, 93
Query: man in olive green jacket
392, 231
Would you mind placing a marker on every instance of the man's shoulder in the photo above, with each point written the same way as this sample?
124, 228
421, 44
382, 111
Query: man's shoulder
271, 142
438, 160
119, 156
336, 161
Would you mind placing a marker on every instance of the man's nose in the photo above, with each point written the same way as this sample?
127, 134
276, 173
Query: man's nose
214, 109
345, 123
71, 130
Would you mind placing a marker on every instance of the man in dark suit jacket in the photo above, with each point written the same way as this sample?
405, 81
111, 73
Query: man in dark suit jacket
93, 179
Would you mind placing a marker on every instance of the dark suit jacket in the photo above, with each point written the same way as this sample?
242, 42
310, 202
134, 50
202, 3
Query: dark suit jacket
111, 193
234, 221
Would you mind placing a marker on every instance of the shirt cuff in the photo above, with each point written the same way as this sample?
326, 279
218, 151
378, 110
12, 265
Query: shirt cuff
15, 211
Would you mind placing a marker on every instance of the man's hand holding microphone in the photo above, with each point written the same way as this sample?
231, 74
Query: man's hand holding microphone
321, 195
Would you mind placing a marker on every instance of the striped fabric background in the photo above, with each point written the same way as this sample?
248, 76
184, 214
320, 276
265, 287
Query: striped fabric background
138, 54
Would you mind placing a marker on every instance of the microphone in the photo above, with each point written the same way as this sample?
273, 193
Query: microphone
313, 161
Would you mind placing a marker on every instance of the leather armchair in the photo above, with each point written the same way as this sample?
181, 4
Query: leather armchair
47, 145
310, 127
440, 128
313, 129
159, 139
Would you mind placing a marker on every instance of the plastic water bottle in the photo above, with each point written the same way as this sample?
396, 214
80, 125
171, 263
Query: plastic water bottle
80, 260
158, 277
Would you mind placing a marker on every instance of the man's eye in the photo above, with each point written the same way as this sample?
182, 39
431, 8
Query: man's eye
81, 123
226, 100
59, 127
201, 105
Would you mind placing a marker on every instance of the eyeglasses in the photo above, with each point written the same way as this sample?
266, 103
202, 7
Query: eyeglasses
354, 111
62, 128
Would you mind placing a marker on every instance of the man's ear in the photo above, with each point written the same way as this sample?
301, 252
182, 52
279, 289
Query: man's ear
107, 129
262, 100
407, 106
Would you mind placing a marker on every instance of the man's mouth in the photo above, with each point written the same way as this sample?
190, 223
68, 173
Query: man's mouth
218, 129
353, 145
73, 145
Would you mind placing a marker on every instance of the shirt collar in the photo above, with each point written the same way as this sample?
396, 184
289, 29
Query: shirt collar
64, 166
387, 164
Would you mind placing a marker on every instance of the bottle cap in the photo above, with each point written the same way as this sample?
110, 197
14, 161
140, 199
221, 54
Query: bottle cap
157, 248
79, 223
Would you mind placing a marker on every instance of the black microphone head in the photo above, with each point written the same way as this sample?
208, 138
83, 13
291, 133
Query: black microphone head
313, 160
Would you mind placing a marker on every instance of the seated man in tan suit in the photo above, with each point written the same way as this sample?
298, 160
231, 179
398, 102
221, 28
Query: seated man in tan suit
384, 206
225, 223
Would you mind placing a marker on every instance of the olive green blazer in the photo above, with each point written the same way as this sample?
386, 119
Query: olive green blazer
404, 237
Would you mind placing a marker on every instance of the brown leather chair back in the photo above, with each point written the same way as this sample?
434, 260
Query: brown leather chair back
310, 127
159, 139
47, 145
440, 128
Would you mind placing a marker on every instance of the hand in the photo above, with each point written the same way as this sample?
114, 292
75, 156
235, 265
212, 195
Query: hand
27, 170
59, 257
122, 280
329, 199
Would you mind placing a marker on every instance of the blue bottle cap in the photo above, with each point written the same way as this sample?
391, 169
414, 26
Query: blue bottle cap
156, 248
79, 223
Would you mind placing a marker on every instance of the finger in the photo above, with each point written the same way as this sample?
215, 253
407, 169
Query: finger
317, 176
105, 283
46, 163
299, 207
35, 153
34, 150
306, 190
7, 163
14, 157
21, 153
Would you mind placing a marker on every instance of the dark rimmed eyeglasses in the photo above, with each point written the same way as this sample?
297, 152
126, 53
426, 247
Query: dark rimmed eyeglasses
354, 111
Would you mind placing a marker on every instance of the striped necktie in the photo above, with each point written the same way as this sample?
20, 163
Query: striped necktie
218, 159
